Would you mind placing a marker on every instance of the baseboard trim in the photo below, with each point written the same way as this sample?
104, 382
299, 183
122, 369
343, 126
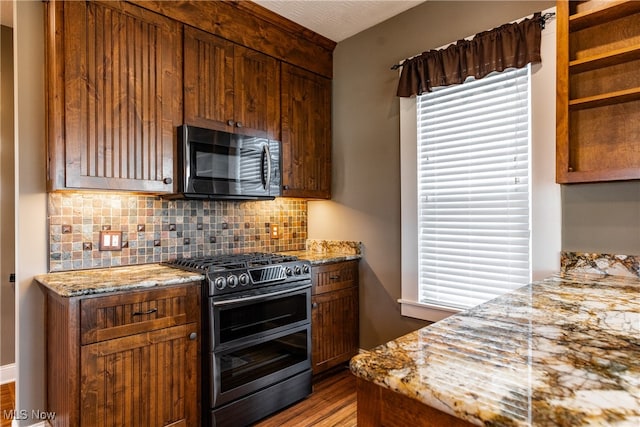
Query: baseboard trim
14, 423
8, 373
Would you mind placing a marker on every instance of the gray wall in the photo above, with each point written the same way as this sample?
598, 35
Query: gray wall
603, 217
7, 194
366, 177
31, 206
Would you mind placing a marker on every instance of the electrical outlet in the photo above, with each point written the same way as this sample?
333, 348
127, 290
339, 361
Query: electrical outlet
110, 240
275, 231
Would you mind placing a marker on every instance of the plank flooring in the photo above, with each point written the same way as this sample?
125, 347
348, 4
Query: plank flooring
333, 403
7, 399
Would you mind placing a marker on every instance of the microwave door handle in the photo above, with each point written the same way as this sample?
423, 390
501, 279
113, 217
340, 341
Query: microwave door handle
266, 181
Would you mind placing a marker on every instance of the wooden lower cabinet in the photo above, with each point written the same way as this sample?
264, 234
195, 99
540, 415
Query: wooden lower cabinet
126, 359
380, 406
334, 314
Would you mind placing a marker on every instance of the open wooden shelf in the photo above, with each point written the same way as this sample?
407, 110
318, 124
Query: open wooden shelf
608, 12
605, 99
608, 59
598, 91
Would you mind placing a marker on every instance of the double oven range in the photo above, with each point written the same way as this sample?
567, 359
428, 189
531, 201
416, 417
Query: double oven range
256, 340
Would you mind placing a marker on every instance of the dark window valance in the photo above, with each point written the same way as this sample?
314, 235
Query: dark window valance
508, 46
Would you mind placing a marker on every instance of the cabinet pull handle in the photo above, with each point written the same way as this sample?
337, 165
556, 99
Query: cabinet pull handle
193, 336
144, 313
334, 277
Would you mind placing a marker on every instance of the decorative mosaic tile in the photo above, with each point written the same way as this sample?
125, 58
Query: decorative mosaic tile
184, 228
607, 264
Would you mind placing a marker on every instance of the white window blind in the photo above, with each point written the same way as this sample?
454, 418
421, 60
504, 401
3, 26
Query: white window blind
473, 190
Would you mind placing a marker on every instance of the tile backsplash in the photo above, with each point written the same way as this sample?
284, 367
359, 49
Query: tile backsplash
155, 229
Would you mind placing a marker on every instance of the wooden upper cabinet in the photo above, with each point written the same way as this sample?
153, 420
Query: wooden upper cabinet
229, 87
598, 91
115, 96
306, 134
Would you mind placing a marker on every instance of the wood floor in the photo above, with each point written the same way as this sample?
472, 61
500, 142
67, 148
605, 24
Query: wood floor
7, 397
333, 403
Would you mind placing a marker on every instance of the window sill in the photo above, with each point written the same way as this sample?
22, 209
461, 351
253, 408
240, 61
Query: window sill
422, 311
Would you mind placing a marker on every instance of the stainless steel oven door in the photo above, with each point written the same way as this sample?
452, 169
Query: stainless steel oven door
236, 319
259, 363
258, 340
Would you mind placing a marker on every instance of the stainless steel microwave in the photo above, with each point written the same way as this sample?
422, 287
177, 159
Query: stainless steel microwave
214, 164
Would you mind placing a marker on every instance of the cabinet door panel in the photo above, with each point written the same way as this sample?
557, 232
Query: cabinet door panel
335, 328
122, 96
229, 87
147, 379
208, 80
256, 93
306, 134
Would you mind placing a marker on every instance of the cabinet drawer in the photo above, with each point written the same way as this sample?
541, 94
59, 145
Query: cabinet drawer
332, 277
114, 316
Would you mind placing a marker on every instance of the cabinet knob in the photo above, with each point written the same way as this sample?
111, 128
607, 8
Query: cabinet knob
314, 305
230, 122
193, 336
168, 180
285, 187
239, 124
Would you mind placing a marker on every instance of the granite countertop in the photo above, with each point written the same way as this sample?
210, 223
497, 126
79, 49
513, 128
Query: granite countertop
319, 258
101, 280
320, 252
563, 351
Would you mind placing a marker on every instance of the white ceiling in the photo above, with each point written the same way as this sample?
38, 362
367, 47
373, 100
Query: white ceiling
338, 19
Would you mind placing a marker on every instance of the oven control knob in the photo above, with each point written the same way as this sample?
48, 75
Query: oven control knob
244, 279
220, 283
232, 281
306, 269
288, 271
297, 270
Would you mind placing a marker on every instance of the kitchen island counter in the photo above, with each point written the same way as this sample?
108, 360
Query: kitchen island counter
102, 280
563, 351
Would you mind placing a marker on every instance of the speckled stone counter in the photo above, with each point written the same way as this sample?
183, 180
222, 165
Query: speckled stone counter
320, 252
101, 280
561, 352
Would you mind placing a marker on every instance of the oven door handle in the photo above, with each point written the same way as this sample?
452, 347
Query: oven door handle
262, 296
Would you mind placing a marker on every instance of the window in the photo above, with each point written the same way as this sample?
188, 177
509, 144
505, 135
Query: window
544, 221
473, 189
